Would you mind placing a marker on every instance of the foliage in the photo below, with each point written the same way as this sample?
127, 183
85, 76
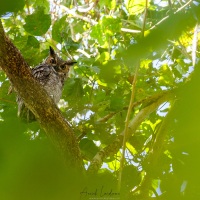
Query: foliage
110, 40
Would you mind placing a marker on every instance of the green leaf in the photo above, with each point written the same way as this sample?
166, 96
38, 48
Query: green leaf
42, 3
114, 165
111, 4
38, 23
97, 33
74, 88
111, 25
108, 26
33, 42
20, 41
88, 148
11, 6
130, 176
116, 103
135, 7
31, 60
105, 56
109, 71
60, 30
69, 44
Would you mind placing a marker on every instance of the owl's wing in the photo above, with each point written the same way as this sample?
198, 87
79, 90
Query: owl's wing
42, 72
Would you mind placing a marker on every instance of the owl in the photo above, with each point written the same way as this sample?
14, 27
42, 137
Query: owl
51, 74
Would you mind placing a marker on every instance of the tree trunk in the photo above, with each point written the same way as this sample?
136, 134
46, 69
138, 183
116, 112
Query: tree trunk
37, 100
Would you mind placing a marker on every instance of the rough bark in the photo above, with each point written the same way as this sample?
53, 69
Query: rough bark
37, 100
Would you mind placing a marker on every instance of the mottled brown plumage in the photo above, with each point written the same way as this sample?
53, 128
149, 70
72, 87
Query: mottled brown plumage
51, 74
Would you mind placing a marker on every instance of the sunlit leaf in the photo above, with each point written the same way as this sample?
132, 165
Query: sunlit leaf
38, 23
114, 165
97, 33
135, 6
111, 4
110, 25
131, 148
43, 3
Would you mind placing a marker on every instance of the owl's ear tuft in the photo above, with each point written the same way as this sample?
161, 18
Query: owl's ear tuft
51, 51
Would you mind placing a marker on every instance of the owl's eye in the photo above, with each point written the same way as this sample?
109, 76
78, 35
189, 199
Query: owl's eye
52, 61
63, 67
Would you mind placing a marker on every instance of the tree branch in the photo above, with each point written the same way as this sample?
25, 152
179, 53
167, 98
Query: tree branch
154, 155
38, 101
114, 147
91, 21
127, 125
144, 102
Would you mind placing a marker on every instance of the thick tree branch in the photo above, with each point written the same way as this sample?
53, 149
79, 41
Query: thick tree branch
114, 147
37, 100
144, 102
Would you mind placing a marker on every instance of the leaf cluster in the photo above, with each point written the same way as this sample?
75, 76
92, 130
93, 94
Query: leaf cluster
109, 41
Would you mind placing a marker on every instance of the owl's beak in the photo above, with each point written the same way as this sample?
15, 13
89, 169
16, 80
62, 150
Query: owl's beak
70, 63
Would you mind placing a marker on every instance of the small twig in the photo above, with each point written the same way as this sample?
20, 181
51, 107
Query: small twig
130, 30
182, 7
170, 4
107, 117
27, 5
84, 53
87, 9
5, 100
182, 49
81, 136
74, 14
126, 126
194, 45
163, 19
72, 32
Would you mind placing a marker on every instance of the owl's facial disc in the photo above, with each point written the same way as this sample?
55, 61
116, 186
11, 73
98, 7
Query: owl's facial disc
64, 68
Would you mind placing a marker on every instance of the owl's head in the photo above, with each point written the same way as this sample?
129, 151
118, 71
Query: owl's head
58, 63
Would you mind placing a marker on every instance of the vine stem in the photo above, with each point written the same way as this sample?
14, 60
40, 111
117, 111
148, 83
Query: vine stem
145, 18
127, 126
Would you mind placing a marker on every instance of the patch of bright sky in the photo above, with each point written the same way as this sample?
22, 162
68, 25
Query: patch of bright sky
7, 15
79, 116
104, 165
161, 109
161, 3
196, 3
98, 143
1, 119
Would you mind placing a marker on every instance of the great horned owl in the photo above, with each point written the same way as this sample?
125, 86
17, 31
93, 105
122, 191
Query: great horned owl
51, 74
